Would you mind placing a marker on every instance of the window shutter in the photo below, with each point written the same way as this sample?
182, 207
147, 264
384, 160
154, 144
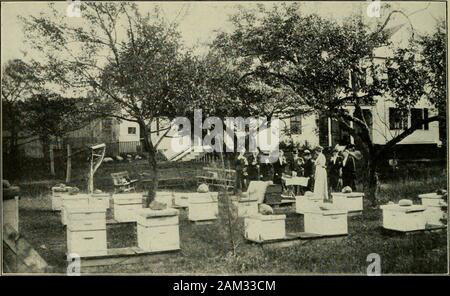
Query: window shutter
425, 117
391, 118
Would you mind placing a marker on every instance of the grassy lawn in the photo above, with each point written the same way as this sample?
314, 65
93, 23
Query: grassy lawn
206, 248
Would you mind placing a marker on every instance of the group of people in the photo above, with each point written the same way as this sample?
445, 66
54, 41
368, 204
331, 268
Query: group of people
337, 172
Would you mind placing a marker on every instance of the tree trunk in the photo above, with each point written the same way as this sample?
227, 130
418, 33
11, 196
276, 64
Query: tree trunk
69, 164
52, 160
46, 152
372, 182
148, 146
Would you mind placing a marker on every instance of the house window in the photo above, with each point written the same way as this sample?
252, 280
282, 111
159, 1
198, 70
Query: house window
131, 130
418, 115
397, 119
296, 125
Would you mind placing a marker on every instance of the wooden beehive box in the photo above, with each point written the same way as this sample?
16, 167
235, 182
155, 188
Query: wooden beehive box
57, 194
72, 201
158, 230
260, 228
352, 202
203, 206
431, 199
125, 206
326, 222
305, 203
246, 207
100, 200
404, 218
86, 231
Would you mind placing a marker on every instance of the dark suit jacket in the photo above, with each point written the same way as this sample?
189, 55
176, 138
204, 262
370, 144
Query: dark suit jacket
278, 170
349, 172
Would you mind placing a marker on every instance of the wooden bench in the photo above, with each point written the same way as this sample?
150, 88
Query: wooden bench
167, 178
217, 177
123, 183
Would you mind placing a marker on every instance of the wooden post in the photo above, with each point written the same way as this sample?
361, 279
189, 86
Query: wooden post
69, 164
52, 160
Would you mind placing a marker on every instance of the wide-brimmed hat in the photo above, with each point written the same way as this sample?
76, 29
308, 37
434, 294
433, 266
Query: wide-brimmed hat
306, 152
319, 148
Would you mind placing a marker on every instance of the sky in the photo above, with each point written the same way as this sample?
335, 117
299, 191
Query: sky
198, 21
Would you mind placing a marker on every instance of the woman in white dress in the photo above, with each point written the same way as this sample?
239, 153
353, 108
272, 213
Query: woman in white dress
320, 176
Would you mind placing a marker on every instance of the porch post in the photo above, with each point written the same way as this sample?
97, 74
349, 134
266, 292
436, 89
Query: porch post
330, 140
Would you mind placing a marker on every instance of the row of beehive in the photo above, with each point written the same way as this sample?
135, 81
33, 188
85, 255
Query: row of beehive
85, 218
414, 217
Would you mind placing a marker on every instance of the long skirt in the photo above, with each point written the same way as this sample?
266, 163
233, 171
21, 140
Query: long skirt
320, 183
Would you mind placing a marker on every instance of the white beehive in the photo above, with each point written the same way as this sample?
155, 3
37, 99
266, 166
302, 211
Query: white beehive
166, 197
11, 212
352, 202
86, 231
304, 203
326, 222
100, 200
403, 218
261, 228
158, 230
434, 215
431, 199
72, 201
203, 206
125, 206
246, 207
57, 194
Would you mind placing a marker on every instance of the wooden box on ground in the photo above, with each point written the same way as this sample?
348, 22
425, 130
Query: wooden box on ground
403, 218
261, 228
203, 206
158, 230
86, 231
72, 201
304, 203
11, 212
125, 206
352, 202
326, 222
246, 207
431, 199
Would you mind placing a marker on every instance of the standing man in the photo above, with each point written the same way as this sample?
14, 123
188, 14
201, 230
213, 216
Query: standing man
309, 169
348, 170
241, 172
335, 171
254, 173
278, 168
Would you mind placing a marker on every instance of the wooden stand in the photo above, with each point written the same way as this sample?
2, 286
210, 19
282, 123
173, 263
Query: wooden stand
298, 238
124, 256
